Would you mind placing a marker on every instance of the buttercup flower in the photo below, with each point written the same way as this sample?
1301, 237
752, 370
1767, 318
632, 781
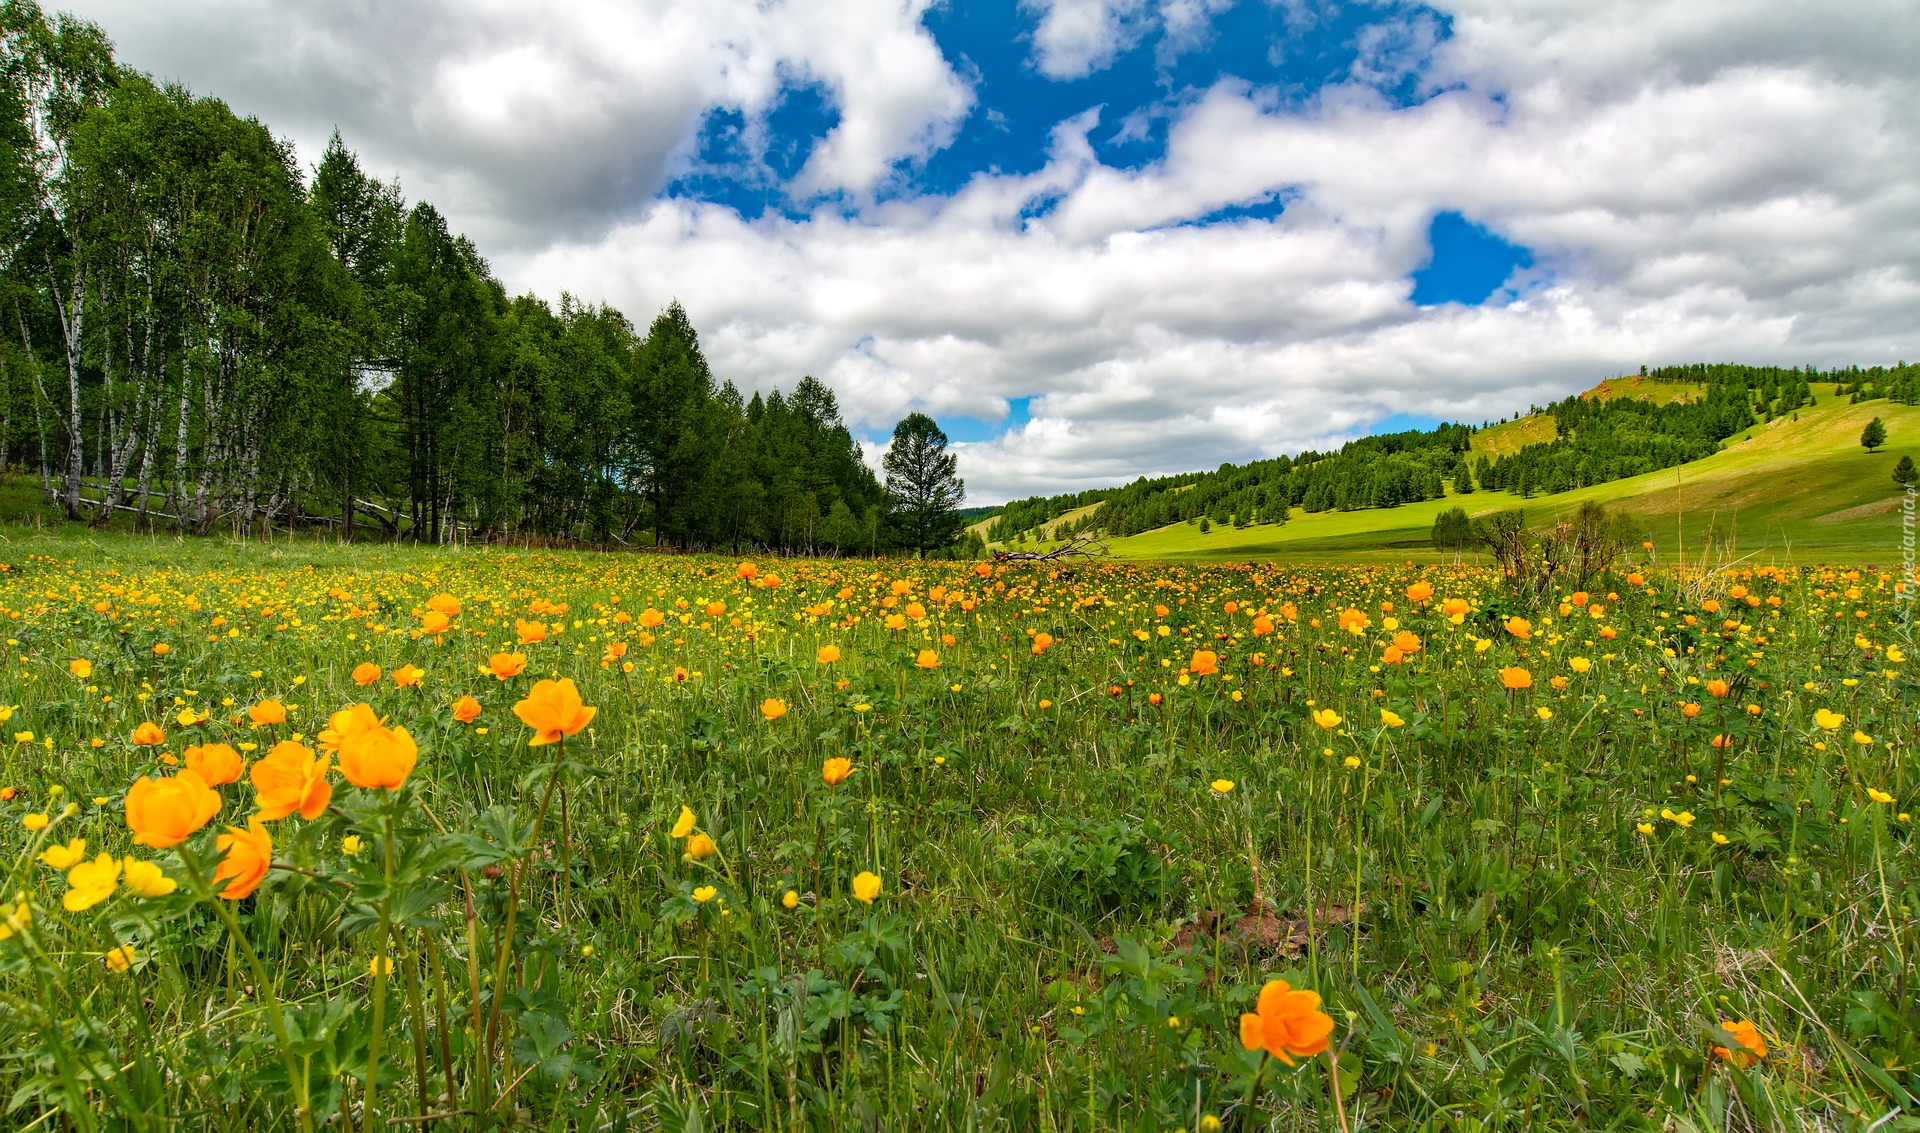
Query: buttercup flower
866, 886
248, 854
1286, 1023
163, 812
553, 709
146, 879
291, 778
683, 825
90, 883
67, 856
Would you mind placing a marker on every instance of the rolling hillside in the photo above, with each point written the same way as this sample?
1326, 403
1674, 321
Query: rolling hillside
1802, 488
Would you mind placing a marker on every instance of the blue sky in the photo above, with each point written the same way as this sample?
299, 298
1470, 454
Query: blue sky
1100, 239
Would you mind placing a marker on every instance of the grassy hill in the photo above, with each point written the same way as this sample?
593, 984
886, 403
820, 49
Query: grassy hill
1801, 488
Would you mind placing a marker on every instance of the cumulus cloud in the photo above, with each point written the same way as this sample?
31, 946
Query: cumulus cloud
1722, 179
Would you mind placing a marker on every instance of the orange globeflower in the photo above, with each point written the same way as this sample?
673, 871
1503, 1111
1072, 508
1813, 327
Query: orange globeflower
1519, 627
1407, 641
651, 618
1455, 607
407, 676
1205, 663
148, 734
217, 764
927, 659
1288, 1023
379, 757
531, 633
80, 667
773, 708
1353, 621
1753, 1048
1514, 677
268, 712
346, 723
163, 812
1420, 591
291, 778
504, 666
828, 654
1041, 643
365, 673
248, 854
553, 710
1718, 687
466, 710
435, 622
746, 570
836, 770
446, 605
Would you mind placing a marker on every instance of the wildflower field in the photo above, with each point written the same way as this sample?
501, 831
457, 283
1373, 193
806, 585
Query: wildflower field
304, 837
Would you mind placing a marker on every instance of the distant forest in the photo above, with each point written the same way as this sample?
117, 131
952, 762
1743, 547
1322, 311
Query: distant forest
1596, 440
199, 336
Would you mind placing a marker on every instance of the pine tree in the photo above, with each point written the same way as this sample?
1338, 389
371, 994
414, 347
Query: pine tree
1874, 435
923, 491
1903, 472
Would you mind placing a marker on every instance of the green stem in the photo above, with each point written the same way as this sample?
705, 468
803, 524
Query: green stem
380, 967
267, 996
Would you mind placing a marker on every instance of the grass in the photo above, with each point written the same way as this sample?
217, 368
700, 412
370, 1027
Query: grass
1090, 855
1788, 491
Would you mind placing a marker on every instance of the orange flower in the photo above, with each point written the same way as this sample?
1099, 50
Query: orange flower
378, 757
836, 770
435, 622
1420, 591
248, 854
773, 708
345, 723
268, 712
1353, 621
1718, 687
746, 570
1205, 663
1454, 607
1689, 710
148, 734
407, 676
531, 633
1262, 625
446, 605
215, 763
163, 812
1514, 677
1753, 1048
828, 654
504, 666
1041, 643
927, 659
553, 710
1519, 627
1407, 641
1288, 1024
651, 618
466, 710
291, 778
365, 673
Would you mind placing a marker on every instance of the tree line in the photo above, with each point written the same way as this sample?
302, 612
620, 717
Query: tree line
197, 334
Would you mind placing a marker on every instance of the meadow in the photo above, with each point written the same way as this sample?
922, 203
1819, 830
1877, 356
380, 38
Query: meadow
638, 841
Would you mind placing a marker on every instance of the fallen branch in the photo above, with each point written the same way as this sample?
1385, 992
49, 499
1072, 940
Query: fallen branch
1086, 545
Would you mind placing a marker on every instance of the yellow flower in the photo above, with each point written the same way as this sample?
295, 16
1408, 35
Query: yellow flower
683, 825
90, 883
146, 879
1326, 717
1720, 839
80, 667
790, 899
1222, 786
1643, 827
1862, 738
67, 856
1352, 762
705, 893
1684, 818
120, 959
700, 846
352, 844
1828, 719
1579, 664
15, 917
1543, 712
1392, 719
35, 822
866, 886
1873, 793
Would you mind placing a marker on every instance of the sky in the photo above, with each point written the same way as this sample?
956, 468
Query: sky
1100, 239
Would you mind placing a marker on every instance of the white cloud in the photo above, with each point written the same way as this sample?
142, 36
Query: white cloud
1720, 179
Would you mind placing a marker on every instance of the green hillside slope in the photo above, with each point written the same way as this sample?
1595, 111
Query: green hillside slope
1802, 487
